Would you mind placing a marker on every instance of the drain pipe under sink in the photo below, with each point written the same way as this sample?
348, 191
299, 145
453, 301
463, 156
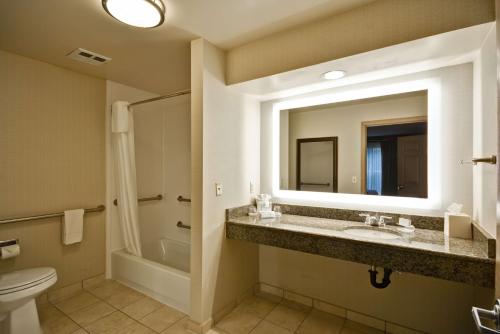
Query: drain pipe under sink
385, 281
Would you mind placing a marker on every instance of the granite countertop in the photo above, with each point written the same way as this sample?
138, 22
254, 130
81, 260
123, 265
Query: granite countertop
426, 252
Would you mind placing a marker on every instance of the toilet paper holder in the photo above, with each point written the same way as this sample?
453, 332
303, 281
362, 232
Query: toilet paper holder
10, 242
9, 249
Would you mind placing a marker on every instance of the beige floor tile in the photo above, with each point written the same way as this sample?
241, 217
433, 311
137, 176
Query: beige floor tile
135, 328
180, 327
48, 313
288, 315
112, 323
124, 297
93, 281
76, 302
91, 313
61, 325
351, 327
162, 318
268, 328
57, 295
318, 322
261, 307
106, 288
238, 322
396, 329
142, 307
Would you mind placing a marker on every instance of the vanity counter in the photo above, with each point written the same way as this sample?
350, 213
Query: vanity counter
424, 252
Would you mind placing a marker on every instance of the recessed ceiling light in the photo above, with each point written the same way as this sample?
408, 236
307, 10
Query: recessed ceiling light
332, 75
137, 13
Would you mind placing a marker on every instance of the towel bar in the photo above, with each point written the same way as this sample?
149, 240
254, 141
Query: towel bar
49, 215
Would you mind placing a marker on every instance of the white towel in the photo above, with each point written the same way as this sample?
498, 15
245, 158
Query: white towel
119, 117
72, 226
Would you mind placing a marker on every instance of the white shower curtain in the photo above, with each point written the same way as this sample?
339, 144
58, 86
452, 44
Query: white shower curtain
122, 126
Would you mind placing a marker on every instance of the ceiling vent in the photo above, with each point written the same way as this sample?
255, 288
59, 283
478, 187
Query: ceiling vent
88, 57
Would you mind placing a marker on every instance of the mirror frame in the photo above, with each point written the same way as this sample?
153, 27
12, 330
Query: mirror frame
434, 163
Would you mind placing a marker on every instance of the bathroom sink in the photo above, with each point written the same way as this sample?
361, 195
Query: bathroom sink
371, 233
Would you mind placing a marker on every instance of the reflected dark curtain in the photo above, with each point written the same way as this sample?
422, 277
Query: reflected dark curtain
390, 167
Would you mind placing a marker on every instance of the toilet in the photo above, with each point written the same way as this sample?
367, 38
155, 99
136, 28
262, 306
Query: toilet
18, 290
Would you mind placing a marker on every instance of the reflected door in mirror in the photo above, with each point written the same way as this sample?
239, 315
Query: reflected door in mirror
412, 166
317, 164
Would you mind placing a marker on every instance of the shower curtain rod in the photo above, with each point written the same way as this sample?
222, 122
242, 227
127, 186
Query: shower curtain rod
179, 93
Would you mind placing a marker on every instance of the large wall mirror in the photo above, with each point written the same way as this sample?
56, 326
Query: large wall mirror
373, 146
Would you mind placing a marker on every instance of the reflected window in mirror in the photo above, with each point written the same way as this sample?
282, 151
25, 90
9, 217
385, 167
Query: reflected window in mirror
370, 146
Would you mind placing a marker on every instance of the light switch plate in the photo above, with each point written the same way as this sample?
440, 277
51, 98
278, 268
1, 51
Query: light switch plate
218, 189
354, 179
252, 188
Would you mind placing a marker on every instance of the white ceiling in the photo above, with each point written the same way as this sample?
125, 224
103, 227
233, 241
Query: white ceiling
157, 60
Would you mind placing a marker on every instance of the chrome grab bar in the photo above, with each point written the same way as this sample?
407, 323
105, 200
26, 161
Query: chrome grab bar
183, 199
49, 215
314, 184
492, 160
479, 313
144, 199
182, 225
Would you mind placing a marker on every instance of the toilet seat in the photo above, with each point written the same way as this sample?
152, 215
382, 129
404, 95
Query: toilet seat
25, 279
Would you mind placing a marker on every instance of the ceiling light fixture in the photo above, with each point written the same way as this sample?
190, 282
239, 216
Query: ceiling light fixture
332, 75
137, 13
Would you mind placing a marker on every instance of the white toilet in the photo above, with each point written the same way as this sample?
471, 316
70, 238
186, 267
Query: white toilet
18, 290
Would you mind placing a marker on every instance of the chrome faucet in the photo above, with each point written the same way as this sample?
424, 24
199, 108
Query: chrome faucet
376, 220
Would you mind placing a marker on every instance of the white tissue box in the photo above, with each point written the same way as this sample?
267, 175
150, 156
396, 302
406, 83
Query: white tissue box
458, 225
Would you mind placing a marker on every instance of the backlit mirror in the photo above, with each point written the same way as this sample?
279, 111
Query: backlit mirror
373, 146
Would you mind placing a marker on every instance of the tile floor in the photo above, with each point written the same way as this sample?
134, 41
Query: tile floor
110, 307
263, 315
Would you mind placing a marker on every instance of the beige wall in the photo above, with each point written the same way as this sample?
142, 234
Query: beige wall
226, 125
486, 133
52, 159
376, 25
344, 121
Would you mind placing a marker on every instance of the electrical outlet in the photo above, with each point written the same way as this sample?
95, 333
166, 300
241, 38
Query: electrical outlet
218, 189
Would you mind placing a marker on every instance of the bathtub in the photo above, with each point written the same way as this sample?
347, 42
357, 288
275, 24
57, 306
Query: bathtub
163, 272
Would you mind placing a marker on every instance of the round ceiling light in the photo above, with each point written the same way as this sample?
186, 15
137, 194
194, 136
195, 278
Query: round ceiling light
332, 75
137, 13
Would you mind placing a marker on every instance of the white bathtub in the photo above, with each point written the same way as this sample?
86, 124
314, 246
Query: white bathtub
152, 276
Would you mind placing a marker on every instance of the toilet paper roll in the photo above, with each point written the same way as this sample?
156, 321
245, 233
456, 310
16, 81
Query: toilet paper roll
8, 252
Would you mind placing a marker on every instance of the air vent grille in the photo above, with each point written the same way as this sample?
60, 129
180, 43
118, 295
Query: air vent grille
88, 57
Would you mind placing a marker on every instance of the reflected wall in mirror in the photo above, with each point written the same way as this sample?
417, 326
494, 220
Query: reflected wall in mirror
374, 146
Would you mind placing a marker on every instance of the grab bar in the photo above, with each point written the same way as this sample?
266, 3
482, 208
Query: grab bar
144, 199
182, 225
49, 215
183, 199
314, 184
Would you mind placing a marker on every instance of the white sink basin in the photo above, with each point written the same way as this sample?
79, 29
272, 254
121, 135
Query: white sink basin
371, 233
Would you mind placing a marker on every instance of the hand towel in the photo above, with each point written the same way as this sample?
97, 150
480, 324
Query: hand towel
119, 117
72, 231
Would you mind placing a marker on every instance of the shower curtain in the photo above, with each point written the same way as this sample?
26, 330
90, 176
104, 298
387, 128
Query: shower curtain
122, 128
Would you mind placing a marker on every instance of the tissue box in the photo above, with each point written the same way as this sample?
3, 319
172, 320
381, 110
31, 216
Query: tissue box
458, 225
